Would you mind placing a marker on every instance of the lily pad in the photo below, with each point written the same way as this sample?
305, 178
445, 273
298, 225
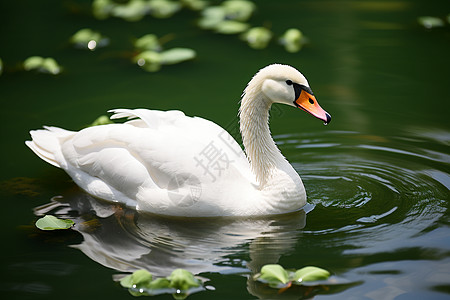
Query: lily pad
257, 37
239, 10
430, 22
133, 10
43, 65
102, 120
231, 27
159, 283
310, 274
211, 16
292, 40
139, 279
183, 280
150, 61
177, 55
33, 62
227, 18
148, 42
102, 9
277, 277
50, 65
180, 284
163, 8
53, 223
274, 275
88, 38
195, 4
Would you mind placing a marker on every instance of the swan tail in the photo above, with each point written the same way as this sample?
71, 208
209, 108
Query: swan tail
46, 143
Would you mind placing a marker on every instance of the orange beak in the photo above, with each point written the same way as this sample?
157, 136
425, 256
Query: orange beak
308, 103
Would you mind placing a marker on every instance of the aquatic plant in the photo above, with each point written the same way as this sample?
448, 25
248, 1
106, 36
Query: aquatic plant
257, 37
194, 4
180, 283
148, 42
134, 10
89, 39
151, 58
227, 18
431, 22
102, 120
277, 277
292, 40
42, 65
230, 17
53, 223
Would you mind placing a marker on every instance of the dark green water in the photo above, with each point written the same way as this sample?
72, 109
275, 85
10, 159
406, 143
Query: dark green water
377, 177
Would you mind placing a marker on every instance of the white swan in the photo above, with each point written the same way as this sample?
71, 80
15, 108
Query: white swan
171, 164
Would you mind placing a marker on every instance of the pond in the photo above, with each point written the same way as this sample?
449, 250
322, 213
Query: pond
377, 177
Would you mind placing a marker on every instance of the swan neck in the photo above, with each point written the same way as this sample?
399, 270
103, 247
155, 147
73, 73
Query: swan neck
261, 150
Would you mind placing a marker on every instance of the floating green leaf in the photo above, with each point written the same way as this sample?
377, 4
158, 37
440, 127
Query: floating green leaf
277, 277
310, 274
102, 120
195, 4
87, 38
44, 65
150, 61
148, 42
133, 10
33, 62
53, 223
231, 27
211, 16
83, 36
292, 40
257, 37
180, 284
228, 18
163, 8
239, 10
102, 9
139, 279
183, 280
159, 283
176, 55
274, 275
430, 22
50, 65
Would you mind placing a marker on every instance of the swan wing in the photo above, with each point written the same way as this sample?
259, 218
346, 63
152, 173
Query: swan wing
154, 157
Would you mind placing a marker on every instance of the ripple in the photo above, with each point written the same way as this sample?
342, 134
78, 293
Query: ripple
372, 200
361, 182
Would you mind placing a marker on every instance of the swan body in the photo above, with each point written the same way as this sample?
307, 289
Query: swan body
167, 163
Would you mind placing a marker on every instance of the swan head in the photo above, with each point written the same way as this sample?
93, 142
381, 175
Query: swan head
284, 84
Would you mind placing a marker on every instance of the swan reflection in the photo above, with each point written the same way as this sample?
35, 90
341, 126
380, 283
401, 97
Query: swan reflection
125, 240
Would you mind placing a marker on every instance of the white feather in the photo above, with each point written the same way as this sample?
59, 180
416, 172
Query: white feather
171, 164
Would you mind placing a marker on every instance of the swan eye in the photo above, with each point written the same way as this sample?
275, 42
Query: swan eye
311, 101
289, 82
